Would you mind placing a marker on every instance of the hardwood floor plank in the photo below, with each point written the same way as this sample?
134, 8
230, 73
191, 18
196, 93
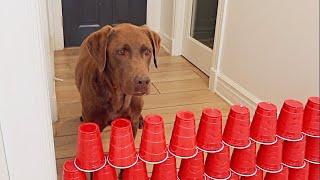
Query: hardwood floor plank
181, 86
173, 76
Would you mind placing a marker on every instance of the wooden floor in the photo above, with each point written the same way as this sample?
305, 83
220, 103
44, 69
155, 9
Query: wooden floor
176, 85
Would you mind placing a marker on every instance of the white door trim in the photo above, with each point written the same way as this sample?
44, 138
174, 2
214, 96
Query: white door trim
4, 174
218, 44
26, 120
56, 23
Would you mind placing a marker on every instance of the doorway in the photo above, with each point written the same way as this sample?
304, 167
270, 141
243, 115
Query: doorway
82, 17
199, 30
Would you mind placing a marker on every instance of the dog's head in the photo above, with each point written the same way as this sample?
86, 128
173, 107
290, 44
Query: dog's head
123, 53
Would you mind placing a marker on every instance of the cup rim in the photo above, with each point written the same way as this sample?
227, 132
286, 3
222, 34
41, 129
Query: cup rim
230, 174
291, 140
150, 120
312, 162
90, 170
122, 167
119, 120
185, 115
183, 157
310, 135
264, 143
295, 167
246, 175
235, 147
212, 151
94, 126
159, 162
265, 170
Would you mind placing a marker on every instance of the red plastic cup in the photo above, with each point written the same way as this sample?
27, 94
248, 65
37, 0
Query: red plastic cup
264, 124
299, 174
209, 136
183, 140
243, 161
122, 152
153, 148
217, 165
269, 157
314, 171
290, 121
90, 156
136, 172
192, 168
165, 170
282, 175
234, 177
293, 156
70, 172
257, 176
311, 117
237, 130
107, 172
312, 154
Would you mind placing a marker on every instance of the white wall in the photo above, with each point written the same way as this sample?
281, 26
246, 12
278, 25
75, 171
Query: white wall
25, 114
270, 51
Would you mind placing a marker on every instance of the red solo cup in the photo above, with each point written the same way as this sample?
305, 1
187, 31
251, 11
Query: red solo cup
312, 154
192, 168
269, 157
237, 130
243, 161
290, 121
293, 156
136, 172
314, 171
209, 136
153, 148
311, 117
70, 172
183, 139
107, 172
90, 156
299, 174
234, 177
217, 165
122, 152
257, 176
165, 170
282, 175
264, 124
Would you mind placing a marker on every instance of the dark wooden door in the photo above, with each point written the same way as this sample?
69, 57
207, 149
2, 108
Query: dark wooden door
82, 17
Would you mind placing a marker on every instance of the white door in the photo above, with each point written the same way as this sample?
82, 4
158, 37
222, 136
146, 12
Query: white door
198, 33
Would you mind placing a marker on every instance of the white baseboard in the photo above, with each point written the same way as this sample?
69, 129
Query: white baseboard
232, 92
166, 42
54, 110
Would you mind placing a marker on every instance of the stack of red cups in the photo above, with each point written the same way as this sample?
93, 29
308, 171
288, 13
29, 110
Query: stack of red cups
311, 129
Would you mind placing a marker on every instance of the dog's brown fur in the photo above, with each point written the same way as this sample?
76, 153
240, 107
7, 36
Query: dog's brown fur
111, 60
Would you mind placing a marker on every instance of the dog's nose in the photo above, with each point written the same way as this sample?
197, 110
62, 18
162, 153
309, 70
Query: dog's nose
142, 80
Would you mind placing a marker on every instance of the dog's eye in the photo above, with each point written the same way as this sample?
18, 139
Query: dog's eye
121, 52
147, 52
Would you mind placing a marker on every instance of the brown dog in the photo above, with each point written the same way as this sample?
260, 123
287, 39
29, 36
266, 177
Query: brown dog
112, 73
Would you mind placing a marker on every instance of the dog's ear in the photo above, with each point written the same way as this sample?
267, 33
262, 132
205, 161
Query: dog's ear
96, 44
155, 41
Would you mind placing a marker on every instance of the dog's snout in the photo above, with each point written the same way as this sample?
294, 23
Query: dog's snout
142, 80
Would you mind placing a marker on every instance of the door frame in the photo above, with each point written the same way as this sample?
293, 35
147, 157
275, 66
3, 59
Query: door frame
178, 30
56, 19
